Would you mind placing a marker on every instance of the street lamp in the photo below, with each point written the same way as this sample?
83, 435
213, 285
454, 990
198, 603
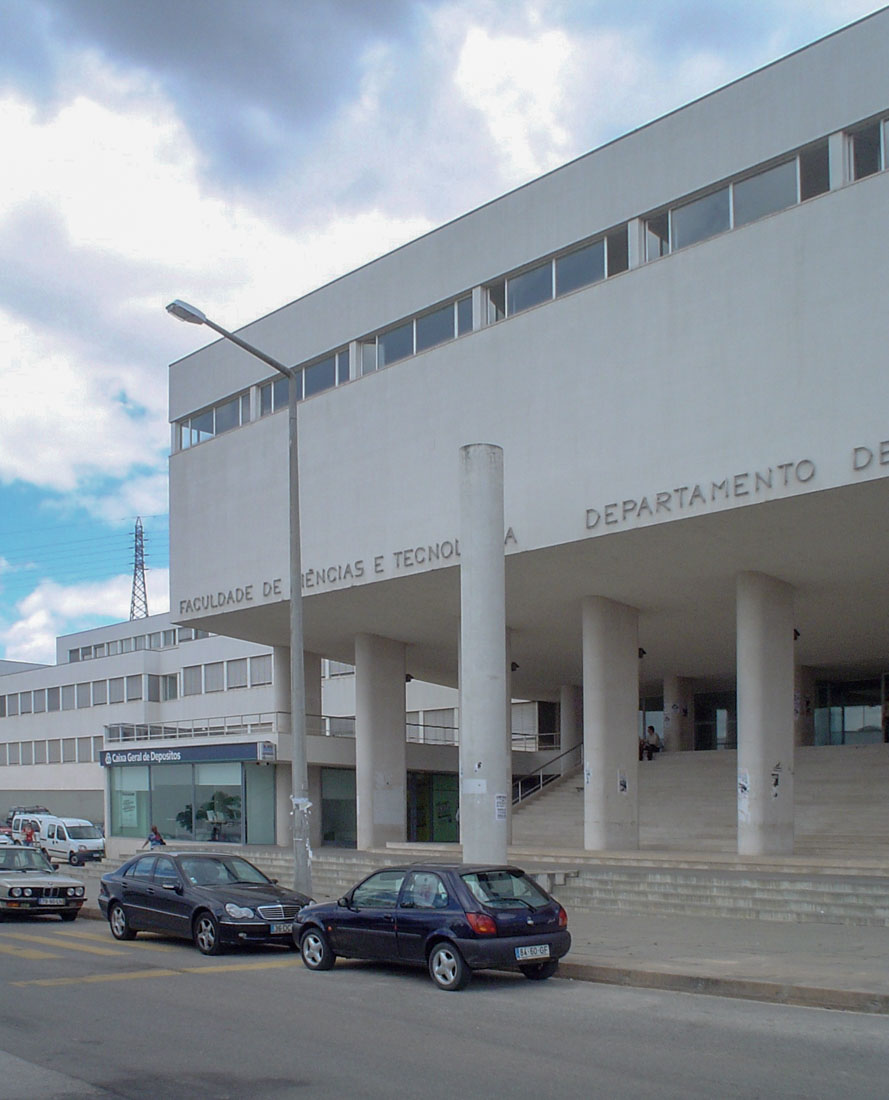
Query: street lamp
302, 866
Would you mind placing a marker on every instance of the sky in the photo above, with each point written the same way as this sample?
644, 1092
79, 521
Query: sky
238, 154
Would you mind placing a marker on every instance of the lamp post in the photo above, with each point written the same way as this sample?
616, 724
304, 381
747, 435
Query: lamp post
302, 866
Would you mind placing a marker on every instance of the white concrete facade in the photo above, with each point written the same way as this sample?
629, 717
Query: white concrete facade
748, 319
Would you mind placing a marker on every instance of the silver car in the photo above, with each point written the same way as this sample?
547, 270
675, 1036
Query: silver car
29, 885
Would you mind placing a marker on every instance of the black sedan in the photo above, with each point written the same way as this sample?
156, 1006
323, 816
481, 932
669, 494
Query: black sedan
450, 918
215, 900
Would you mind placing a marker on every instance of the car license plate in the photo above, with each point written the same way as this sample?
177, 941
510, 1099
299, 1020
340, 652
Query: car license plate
281, 929
536, 951
50, 901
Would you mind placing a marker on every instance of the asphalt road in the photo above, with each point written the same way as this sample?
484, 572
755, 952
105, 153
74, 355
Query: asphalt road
82, 1015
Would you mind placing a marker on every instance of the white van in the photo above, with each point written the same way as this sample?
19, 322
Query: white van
71, 839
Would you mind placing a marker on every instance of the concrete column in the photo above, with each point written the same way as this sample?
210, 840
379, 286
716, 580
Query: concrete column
838, 160
314, 719
636, 242
803, 705
380, 753
610, 724
283, 813
570, 724
679, 714
485, 780
765, 715
281, 678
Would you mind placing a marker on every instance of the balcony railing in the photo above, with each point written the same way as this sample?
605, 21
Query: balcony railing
276, 723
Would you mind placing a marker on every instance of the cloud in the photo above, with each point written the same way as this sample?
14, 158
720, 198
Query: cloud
53, 609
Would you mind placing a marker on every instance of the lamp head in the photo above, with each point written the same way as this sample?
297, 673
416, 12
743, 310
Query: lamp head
185, 312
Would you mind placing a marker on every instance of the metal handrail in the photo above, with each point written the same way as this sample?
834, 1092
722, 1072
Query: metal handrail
521, 788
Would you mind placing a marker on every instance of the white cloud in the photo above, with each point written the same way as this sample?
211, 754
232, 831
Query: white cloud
53, 609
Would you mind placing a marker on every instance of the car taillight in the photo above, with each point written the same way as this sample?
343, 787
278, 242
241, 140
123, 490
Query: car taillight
482, 924
563, 918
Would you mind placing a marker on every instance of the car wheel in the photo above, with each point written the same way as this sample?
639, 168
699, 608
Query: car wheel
315, 950
120, 926
539, 972
68, 914
447, 968
74, 859
206, 934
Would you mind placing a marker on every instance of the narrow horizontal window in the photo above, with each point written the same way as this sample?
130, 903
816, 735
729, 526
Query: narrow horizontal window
699, 220
368, 352
618, 251
435, 328
866, 152
396, 344
319, 376
343, 367
582, 267
765, 193
202, 427
496, 301
657, 235
464, 315
529, 289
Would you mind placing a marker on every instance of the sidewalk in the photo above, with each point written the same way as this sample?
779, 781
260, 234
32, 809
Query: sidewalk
786, 962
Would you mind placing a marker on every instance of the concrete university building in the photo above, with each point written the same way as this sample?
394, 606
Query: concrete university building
615, 447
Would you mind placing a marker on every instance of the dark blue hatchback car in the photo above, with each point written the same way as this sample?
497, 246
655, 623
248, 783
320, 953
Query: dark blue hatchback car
451, 918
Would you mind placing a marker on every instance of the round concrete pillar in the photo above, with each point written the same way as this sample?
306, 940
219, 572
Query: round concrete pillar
610, 724
765, 715
485, 778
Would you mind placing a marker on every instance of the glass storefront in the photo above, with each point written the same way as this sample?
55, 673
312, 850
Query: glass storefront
194, 800
850, 713
339, 826
433, 802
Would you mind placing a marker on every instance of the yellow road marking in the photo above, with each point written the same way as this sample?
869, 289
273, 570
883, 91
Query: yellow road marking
26, 952
162, 972
54, 942
151, 944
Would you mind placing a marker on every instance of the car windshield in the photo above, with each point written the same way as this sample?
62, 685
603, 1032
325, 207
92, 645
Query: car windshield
220, 871
503, 889
84, 832
23, 859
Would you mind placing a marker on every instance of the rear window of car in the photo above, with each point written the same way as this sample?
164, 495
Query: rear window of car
505, 889
142, 868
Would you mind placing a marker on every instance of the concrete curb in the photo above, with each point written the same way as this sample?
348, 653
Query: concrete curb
847, 1000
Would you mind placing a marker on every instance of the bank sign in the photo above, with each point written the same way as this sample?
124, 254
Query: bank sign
263, 751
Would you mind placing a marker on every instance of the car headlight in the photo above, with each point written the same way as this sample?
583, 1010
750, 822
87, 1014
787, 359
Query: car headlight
15, 891
239, 912
27, 891
78, 893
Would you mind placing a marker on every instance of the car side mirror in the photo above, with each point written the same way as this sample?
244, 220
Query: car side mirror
175, 887
343, 903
